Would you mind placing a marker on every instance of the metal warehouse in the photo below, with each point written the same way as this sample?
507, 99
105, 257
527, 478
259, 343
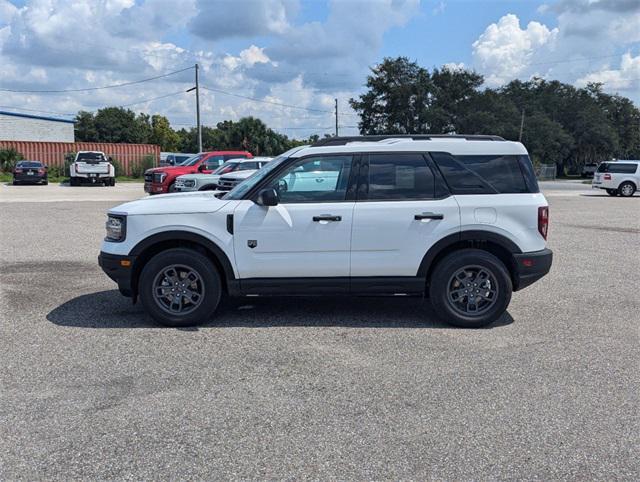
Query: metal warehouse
25, 127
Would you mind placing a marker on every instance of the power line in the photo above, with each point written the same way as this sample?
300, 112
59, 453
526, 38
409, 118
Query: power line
152, 99
280, 104
88, 89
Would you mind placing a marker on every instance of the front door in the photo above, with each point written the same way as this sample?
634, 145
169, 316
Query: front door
399, 215
308, 234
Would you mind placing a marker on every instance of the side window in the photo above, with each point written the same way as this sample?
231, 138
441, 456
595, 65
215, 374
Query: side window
213, 162
483, 174
247, 166
399, 177
619, 168
234, 156
315, 179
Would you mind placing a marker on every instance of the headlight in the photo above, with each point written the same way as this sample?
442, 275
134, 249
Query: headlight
158, 177
116, 228
189, 183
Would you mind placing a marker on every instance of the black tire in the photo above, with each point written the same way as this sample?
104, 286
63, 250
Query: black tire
172, 187
73, 182
15, 183
442, 283
113, 181
45, 182
612, 192
627, 189
186, 259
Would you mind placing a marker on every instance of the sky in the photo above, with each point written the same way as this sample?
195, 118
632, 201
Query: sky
294, 56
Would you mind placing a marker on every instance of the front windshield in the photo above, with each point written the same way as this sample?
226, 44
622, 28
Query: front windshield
245, 186
192, 160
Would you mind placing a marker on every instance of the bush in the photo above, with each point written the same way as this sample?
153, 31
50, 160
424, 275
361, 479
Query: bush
56, 171
8, 159
68, 160
147, 162
117, 165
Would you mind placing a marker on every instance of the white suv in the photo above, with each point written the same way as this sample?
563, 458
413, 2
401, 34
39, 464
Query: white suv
459, 219
618, 177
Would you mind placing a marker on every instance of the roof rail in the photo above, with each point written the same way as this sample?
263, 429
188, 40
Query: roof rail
341, 141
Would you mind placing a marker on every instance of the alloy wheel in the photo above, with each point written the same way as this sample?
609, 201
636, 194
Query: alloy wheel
472, 290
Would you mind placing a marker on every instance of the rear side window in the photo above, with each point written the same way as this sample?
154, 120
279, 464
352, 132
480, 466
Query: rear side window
399, 177
487, 174
248, 166
618, 167
235, 156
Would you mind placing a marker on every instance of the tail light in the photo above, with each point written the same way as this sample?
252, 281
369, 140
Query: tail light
18, 171
607, 177
40, 171
543, 221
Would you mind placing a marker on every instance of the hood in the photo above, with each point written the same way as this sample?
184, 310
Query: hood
198, 176
172, 169
239, 174
177, 203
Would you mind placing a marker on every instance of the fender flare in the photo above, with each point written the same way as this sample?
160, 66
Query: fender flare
198, 239
471, 236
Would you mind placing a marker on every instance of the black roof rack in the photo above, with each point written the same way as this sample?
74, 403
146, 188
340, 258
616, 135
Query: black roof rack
341, 141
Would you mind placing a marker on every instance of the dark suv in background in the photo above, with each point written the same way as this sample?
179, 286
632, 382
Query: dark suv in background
30, 172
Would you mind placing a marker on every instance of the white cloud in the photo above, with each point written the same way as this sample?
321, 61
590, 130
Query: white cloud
505, 50
626, 78
247, 58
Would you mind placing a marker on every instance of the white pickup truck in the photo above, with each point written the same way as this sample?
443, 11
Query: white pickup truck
92, 167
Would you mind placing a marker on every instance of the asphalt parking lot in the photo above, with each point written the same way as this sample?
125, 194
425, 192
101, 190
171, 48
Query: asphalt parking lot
307, 388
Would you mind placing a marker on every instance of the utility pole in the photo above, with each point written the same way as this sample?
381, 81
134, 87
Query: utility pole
336, 117
198, 110
521, 126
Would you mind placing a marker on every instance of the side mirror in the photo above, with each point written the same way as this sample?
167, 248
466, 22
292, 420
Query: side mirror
268, 197
202, 167
170, 162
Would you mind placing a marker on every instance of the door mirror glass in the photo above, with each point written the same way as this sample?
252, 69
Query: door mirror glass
268, 197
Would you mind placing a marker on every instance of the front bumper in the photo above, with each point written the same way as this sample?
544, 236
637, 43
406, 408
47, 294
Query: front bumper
152, 188
530, 267
120, 269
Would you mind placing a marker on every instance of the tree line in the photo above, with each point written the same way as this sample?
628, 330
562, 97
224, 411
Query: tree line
116, 124
557, 122
560, 123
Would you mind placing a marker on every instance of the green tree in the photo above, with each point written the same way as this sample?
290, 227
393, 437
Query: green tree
85, 128
8, 159
163, 135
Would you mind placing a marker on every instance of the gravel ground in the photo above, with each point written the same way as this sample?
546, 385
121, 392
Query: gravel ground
317, 388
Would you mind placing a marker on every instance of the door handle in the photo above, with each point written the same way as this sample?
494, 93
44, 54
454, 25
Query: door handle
420, 217
326, 217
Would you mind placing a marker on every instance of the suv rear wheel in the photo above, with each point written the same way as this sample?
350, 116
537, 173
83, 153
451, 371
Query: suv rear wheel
627, 189
180, 287
470, 288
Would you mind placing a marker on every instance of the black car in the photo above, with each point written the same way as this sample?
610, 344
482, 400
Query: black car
30, 172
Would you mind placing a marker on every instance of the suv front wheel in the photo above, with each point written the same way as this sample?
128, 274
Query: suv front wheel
180, 287
470, 288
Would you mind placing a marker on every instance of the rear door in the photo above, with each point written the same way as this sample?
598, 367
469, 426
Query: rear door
400, 213
308, 234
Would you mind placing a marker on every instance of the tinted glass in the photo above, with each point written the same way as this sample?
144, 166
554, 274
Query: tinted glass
226, 167
487, 173
192, 160
90, 156
460, 179
29, 164
247, 166
399, 177
317, 179
618, 167
213, 162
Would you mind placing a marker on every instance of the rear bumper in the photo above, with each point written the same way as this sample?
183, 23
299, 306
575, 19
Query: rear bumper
34, 178
113, 267
530, 267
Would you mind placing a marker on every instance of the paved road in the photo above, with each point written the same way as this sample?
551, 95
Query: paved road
307, 388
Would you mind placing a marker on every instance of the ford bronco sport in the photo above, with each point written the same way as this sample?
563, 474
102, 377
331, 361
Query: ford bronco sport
458, 219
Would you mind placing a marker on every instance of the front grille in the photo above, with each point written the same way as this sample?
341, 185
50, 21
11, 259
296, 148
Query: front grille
148, 177
227, 184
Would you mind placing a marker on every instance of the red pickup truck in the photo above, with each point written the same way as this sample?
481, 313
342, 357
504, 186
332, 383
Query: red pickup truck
161, 179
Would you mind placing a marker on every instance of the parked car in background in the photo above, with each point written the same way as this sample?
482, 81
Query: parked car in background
588, 170
92, 167
174, 158
30, 172
457, 219
617, 178
161, 180
209, 182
